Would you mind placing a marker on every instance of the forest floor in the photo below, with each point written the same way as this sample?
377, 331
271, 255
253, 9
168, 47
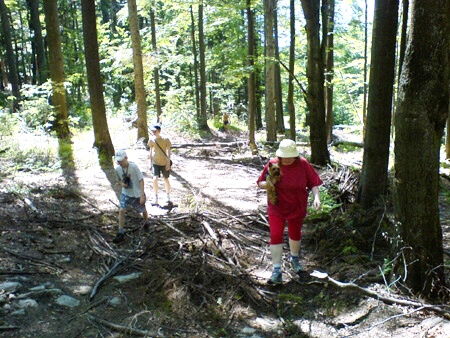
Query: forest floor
201, 269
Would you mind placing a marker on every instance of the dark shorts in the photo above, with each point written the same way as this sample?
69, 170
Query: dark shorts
131, 202
160, 169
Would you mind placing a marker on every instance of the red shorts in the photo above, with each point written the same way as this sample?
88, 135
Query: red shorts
277, 225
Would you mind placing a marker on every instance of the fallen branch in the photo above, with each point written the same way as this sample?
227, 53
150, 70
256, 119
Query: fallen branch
124, 329
111, 272
388, 300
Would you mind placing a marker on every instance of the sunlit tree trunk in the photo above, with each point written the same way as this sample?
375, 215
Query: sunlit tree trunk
315, 98
422, 112
138, 71
381, 83
269, 9
102, 138
56, 67
13, 77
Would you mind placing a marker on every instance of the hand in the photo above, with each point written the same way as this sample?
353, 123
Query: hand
142, 199
317, 204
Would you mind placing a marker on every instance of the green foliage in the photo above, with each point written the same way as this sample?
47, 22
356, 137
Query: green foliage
328, 205
289, 305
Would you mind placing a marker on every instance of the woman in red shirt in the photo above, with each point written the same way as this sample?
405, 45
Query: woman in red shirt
298, 177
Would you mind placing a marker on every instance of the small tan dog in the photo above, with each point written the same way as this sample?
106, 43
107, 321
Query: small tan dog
274, 176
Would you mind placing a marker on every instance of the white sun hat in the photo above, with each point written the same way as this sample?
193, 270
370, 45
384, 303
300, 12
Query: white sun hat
287, 148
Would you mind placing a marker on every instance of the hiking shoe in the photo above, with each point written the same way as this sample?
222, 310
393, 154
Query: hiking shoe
119, 237
145, 225
295, 265
276, 277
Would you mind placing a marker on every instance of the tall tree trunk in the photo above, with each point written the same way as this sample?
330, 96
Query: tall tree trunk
251, 78
102, 138
365, 85
269, 11
203, 121
194, 52
328, 32
13, 76
156, 68
403, 35
138, 71
56, 67
278, 87
290, 98
381, 83
315, 98
423, 109
41, 69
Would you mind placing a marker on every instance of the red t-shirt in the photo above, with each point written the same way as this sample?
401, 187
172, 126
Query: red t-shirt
292, 189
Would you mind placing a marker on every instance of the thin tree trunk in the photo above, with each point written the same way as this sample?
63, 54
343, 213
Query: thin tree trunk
269, 9
41, 69
278, 87
138, 71
102, 138
328, 31
203, 122
156, 68
194, 52
56, 66
290, 99
12, 74
251, 78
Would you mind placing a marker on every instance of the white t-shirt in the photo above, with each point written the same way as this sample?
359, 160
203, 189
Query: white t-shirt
134, 189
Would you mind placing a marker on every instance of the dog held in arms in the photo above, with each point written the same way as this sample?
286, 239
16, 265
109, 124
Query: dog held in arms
274, 175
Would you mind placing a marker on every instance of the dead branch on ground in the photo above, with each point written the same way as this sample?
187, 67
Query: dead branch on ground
439, 309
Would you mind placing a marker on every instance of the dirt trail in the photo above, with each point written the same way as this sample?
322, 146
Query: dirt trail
189, 284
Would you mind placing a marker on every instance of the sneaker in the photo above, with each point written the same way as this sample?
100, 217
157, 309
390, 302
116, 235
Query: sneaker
295, 265
119, 237
276, 277
155, 201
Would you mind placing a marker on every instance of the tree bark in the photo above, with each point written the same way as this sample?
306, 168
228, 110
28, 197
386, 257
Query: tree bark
138, 71
381, 83
251, 78
290, 98
194, 53
56, 67
156, 68
315, 98
269, 9
423, 109
102, 138
13, 76
203, 121
328, 31
40, 66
